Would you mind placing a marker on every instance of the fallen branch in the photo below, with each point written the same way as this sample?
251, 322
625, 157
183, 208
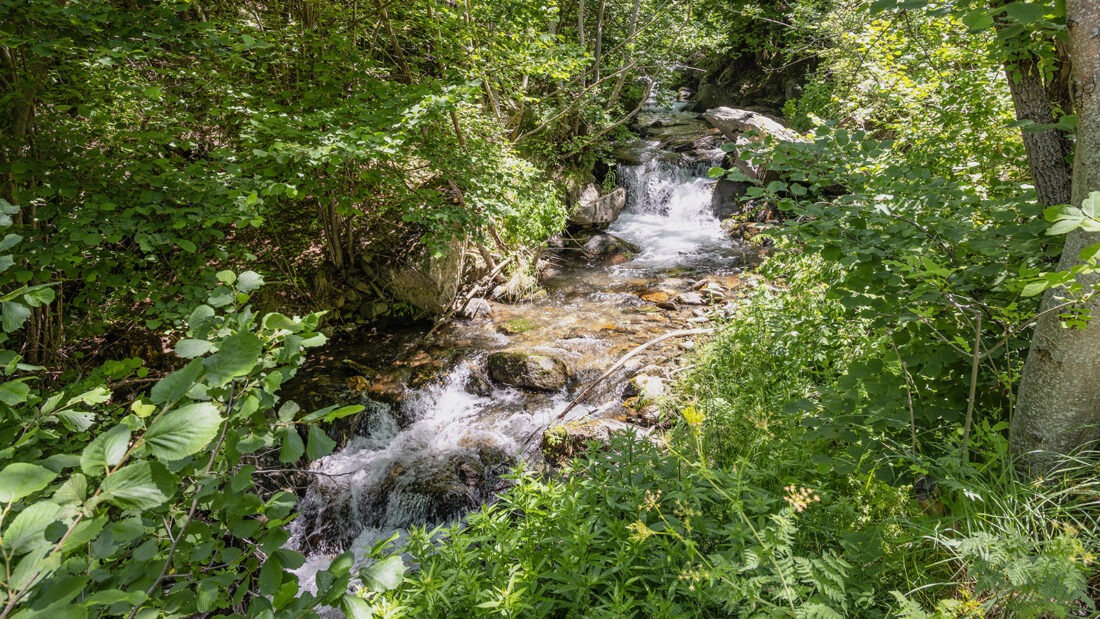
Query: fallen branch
584, 393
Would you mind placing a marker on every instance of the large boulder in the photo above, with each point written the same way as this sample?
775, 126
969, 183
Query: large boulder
428, 283
596, 211
735, 124
527, 370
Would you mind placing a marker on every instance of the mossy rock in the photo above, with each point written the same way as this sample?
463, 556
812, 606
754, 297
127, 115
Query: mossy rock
528, 371
516, 326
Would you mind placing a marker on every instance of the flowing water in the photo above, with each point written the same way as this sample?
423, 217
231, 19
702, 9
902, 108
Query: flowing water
428, 453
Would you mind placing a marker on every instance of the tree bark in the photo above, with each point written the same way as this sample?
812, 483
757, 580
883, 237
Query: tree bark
1047, 150
1058, 407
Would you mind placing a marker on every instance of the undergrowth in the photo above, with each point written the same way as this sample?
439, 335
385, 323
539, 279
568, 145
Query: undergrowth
745, 509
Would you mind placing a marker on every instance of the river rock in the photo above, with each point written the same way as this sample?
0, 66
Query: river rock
636, 153
528, 370
596, 211
476, 308
608, 245
689, 298
425, 281
646, 387
734, 124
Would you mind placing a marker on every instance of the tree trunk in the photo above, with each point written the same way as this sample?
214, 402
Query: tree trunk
1048, 150
599, 38
632, 29
1058, 407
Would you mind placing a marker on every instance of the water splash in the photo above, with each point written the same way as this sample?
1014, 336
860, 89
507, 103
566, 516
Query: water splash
669, 215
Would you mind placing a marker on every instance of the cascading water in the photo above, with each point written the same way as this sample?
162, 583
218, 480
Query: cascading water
443, 449
669, 215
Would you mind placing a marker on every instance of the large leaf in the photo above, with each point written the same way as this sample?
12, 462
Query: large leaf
356, 607
385, 575
184, 431
28, 526
134, 487
172, 387
14, 392
21, 479
237, 355
105, 451
249, 281
292, 448
319, 444
189, 349
15, 314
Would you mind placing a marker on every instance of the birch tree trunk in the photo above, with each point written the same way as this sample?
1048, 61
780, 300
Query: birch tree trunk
1058, 407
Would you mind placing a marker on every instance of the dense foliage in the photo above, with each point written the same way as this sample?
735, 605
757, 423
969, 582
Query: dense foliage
839, 449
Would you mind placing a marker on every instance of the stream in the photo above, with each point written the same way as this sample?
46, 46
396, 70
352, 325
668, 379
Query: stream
440, 429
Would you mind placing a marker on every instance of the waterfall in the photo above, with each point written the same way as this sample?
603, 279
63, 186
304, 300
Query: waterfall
669, 215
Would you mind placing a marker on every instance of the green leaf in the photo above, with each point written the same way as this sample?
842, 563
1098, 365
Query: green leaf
14, 392
221, 297
1025, 12
716, 172
105, 451
319, 444
1064, 226
21, 479
9, 241
1034, 288
200, 315
1090, 206
189, 349
184, 431
271, 575
355, 607
332, 413
249, 281
385, 575
175, 385
109, 597
73, 491
978, 20
237, 356
292, 448
133, 487
15, 314
226, 277
76, 421
28, 526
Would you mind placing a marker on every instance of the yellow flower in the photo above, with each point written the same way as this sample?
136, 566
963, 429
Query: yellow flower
693, 416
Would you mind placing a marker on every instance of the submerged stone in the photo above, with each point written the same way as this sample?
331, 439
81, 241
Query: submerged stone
528, 370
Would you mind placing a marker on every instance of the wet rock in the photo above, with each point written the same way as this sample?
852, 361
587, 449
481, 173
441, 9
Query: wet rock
607, 246
596, 211
528, 370
478, 383
668, 306
636, 153
640, 412
645, 387
658, 296
515, 326
734, 123
690, 298
564, 441
477, 308
357, 384
725, 201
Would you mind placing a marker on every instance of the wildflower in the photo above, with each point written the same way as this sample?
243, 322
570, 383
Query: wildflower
800, 498
692, 416
652, 501
640, 532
